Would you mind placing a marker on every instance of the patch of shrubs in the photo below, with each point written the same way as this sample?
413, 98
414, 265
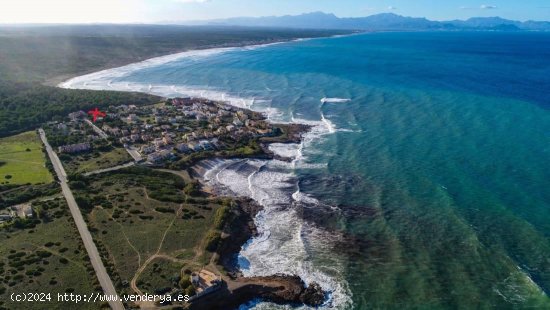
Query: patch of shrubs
165, 210
212, 240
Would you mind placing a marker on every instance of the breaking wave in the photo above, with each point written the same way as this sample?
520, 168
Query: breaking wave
335, 100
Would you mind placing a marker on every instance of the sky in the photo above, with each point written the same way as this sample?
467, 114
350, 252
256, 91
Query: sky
159, 11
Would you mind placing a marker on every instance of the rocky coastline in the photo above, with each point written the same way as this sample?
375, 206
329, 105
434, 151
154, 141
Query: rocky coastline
237, 289
239, 228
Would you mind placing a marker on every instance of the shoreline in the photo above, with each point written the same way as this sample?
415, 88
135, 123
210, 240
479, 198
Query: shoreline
63, 80
58, 81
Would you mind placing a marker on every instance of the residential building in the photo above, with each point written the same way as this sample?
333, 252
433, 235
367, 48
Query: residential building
182, 148
75, 148
147, 149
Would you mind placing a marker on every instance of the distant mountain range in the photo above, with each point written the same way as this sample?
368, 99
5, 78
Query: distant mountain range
385, 21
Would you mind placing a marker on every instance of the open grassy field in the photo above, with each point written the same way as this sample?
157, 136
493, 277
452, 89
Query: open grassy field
22, 160
95, 161
145, 221
132, 230
47, 258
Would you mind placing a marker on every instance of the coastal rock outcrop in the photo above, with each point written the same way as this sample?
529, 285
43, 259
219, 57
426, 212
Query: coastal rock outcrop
313, 295
236, 289
281, 289
239, 230
288, 289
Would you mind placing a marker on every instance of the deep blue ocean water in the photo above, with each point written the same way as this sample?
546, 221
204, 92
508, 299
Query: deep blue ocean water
428, 187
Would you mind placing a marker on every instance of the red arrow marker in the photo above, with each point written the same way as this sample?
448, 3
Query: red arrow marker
96, 113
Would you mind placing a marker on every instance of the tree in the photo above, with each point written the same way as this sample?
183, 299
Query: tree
192, 189
185, 282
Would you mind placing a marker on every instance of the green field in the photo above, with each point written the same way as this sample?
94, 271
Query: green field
46, 256
22, 160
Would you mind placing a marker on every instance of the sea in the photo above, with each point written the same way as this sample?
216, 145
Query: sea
424, 182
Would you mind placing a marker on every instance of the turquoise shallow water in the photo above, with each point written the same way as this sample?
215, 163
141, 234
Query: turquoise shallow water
438, 165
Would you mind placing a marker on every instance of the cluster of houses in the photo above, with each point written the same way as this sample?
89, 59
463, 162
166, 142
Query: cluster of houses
81, 133
183, 125
158, 132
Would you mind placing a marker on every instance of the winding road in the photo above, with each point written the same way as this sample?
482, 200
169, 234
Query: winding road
97, 263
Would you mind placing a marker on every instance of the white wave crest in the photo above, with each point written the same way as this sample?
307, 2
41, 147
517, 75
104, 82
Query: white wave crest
335, 100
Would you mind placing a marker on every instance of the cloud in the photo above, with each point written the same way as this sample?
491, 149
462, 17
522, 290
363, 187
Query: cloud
482, 7
392, 8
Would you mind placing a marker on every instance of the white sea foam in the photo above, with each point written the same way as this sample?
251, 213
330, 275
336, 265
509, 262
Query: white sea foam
109, 74
299, 196
328, 124
288, 150
280, 246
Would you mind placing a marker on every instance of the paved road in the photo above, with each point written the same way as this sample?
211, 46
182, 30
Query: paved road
109, 169
133, 152
101, 272
100, 132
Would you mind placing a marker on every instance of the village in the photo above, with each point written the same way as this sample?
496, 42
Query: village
168, 130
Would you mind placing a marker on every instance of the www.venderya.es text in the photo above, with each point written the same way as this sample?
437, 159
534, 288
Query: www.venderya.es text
96, 297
